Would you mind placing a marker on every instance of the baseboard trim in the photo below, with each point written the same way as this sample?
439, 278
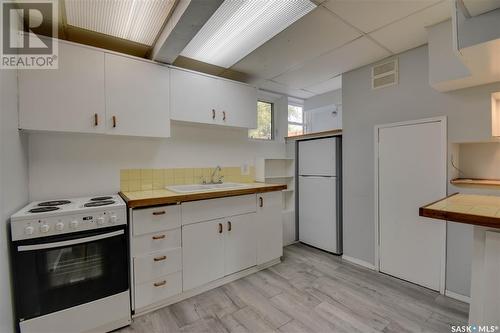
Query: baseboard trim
459, 297
206, 287
358, 262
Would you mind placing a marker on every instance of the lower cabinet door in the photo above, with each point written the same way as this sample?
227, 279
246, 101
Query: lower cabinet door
202, 253
240, 242
269, 227
157, 290
149, 267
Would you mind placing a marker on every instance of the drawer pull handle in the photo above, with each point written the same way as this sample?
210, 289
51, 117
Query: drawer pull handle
224, 115
162, 212
159, 237
159, 284
96, 119
220, 228
213, 113
229, 226
261, 202
160, 258
114, 121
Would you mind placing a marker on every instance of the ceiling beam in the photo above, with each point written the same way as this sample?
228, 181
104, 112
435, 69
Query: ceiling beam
186, 20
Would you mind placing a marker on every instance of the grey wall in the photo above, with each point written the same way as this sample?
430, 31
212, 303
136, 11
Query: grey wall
468, 112
318, 101
13, 183
318, 111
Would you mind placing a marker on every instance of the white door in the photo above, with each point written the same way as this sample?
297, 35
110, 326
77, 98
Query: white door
238, 104
317, 157
240, 243
67, 99
137, 97
194, 97
269, 226
411, 173
202, 253
317, 212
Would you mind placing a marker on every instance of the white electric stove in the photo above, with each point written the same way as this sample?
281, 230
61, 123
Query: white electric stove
70, 265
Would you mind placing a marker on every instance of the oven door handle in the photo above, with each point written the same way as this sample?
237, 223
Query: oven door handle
34, 247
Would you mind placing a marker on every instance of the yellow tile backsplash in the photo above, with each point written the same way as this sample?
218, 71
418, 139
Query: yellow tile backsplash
155, 179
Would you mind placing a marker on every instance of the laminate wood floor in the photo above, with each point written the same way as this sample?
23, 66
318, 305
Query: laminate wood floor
310, 291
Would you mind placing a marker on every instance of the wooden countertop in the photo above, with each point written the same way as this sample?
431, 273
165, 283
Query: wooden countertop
315, 135
475, 181
482, 210
138, 199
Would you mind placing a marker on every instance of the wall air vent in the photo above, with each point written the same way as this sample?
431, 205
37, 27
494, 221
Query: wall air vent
385, 74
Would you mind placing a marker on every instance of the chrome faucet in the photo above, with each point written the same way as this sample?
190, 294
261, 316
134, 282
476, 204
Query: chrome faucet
216, 171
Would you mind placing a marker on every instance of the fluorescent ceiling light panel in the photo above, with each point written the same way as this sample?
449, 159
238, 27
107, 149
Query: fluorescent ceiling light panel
136, 20
240, 26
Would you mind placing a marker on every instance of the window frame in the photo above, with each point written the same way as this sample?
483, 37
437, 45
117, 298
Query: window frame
303, 124
273, 121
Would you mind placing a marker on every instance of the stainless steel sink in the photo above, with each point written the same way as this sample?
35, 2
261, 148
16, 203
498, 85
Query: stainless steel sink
205, 187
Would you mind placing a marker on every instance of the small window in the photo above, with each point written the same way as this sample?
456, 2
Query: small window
265, 122
295, 120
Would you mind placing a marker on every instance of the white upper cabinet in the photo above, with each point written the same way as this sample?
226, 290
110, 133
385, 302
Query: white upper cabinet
68, 99
193, 98
137, 97
204, 99
238, 103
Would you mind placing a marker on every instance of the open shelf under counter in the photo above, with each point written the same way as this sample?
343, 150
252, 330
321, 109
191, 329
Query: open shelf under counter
476, 182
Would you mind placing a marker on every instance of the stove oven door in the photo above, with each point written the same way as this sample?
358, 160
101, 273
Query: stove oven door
59, 272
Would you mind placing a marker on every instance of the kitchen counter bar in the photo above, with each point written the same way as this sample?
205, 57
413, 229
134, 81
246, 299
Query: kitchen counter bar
140, 199
481, 210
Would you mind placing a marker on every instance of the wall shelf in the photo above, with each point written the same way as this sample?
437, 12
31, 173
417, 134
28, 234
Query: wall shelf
477, 182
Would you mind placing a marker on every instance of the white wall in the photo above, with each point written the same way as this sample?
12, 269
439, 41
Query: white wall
468, 112
319, 111
13, 183
64, 165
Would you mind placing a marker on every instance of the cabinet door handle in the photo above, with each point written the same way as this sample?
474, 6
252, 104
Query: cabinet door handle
213, 113
261, 202
229, 226
96, 119
160, 258
224, 115
159, 237
114, 121
159, 284
162, 212
220, 228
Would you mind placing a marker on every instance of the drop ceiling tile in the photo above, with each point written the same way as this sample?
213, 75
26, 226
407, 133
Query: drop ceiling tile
314, 34
334, 83
410, 32
358, 53
368, 15
478, 7
283, 89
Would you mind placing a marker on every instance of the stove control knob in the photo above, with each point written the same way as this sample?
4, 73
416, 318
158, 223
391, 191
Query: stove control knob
59, 226
44, 228
100, 220
74, 224
113, 219
29, 230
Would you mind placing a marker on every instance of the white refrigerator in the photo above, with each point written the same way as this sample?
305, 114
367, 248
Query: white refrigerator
320, 193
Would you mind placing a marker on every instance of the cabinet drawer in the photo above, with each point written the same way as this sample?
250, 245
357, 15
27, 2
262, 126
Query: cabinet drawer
205, 210
156, 219
157, 290
156, 241
149, 267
